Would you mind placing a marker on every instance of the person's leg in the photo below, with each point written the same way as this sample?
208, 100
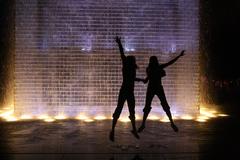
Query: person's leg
147, 109
117, 112
166, 108
131, 108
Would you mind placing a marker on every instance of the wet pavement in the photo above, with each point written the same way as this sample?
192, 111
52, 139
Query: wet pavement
73, 139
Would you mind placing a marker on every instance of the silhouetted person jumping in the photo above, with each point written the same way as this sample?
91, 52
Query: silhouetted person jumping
127, 90
155, 72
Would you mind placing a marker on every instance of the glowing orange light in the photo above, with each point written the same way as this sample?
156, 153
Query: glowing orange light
165, 119
124, 119
223, 115
100, 118
187, 117
82, 117
26, 117
6, 113
205, 114
60, 117
88, 120
138, 117
49, 119
153, 117
9, 116
202, 118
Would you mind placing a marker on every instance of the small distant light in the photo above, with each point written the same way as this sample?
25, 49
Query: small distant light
173, 47
124, 119
205, 111
25, 117
6, 113
137, 117
164, 119
129, 49
213, 111
201, 120
100, 118
81, 117
203, 117
86, 49
43, 116
186, 117
153, 117
60, 117
208, 114
88, 120
223, 115
11, 118
49, 120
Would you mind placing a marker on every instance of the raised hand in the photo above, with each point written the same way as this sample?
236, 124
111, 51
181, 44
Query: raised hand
145, 81
118, 39
182, 53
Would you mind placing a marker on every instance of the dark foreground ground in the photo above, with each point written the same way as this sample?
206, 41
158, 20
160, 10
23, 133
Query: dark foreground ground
72, 139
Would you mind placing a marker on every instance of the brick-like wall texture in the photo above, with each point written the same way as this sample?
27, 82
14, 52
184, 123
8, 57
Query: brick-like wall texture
67, 60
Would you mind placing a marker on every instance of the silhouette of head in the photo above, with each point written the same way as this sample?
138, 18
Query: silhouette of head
131, 62
153, 61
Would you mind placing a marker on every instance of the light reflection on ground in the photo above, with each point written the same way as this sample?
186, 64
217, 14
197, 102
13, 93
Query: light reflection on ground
74, 139
204, 115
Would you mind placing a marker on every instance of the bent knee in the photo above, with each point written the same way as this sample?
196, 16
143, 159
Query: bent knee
147, 109
131, 117
116, 114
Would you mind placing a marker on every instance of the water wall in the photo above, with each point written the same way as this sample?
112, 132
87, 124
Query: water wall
67, 61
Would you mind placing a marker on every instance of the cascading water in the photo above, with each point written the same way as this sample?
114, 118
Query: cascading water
67, 62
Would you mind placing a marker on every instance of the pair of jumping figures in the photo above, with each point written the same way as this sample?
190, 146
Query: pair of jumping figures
155, 72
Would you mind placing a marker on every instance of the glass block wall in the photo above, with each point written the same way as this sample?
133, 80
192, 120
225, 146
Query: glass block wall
67, 61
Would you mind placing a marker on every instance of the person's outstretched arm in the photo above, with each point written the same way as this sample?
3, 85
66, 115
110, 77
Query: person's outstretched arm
173, 60
145, 80
118, 40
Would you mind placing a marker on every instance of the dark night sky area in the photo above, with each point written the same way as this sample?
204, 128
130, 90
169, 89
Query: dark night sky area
220, 37
220, 48
6, 47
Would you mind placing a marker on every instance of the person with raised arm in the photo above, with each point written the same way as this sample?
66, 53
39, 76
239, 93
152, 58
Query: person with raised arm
155, 72
126, 93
